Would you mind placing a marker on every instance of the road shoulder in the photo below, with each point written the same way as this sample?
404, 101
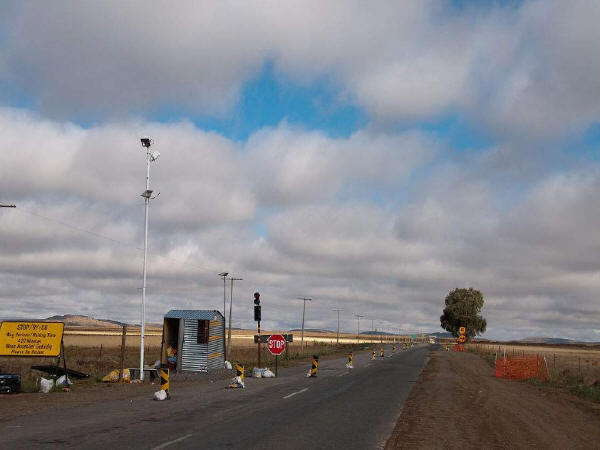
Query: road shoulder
457, 403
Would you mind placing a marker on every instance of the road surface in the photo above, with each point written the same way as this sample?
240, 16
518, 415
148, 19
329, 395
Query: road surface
341, 408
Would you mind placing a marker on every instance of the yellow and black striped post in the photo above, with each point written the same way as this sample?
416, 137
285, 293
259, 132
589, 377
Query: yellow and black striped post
393, 348
164, 379
351, 359
315, 366
239, 371
381, 354
373, 354
404, 346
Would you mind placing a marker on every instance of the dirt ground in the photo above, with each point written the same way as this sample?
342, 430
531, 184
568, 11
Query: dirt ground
457, 403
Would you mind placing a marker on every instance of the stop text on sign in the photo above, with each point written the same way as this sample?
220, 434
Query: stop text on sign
276, 344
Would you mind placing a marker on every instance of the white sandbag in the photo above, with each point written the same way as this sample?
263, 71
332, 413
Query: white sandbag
268, 374
308, 375
46, 385
237, 382
61, 381
228, 365
160, 395
349, 366
257, 372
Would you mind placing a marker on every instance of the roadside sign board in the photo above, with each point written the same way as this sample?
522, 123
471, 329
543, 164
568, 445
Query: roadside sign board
462, 338
462, 330
31, 338
276, 344
264, 338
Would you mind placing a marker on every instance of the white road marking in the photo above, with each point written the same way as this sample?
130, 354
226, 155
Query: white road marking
294, 393
342, 374
174, 441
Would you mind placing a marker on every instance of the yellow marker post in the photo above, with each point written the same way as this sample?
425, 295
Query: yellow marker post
315, 366
351, 359
393, 349
164, 379
373, 354
381, 354
239, 373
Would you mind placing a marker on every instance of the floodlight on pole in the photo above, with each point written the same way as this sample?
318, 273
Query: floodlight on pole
224, 276
147, 194
303, 314
232, 279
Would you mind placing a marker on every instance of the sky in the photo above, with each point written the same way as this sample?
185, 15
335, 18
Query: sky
372, 156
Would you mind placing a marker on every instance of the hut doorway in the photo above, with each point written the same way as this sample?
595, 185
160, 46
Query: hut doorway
171, 341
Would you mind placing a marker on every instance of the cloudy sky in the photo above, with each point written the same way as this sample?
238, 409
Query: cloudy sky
370, 155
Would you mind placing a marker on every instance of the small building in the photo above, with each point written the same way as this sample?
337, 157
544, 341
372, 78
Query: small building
198, 336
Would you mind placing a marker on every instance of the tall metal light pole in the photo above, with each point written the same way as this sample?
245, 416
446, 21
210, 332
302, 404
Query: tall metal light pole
147, 194
358, 328
337, 341
372, 330
230, 307
303, 313
224, 276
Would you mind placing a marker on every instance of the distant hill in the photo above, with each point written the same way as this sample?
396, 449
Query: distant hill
73, 320
313, 330
440, 334
547, 340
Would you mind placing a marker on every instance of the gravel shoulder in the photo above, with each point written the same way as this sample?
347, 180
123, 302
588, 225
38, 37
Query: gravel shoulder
457, 403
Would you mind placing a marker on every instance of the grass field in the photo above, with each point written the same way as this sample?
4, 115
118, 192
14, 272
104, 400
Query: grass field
574, 367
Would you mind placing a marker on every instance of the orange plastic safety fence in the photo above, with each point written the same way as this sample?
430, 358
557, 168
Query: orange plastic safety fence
458, 348
522, 368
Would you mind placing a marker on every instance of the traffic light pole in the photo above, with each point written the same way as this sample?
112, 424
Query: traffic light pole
259, 344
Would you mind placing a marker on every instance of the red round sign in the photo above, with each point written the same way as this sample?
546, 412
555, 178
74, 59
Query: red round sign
276, 344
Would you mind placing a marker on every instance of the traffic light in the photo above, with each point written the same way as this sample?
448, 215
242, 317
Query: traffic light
256, 298
257, 313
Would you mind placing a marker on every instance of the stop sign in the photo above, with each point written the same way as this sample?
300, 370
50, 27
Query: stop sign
276, 344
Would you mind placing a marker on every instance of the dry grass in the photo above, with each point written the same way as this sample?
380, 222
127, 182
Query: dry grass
566, 364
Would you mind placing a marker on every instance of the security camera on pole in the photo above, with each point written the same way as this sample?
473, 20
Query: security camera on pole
151, 155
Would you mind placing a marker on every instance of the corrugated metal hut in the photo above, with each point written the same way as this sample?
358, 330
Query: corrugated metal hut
198, 336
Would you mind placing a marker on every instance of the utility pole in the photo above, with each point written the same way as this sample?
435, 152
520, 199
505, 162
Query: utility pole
224, 276
337, 342
303, 314
147, 194
230, 307
372, 330
358, 327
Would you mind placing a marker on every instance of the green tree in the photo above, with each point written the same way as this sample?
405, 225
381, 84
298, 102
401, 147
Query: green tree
462, 310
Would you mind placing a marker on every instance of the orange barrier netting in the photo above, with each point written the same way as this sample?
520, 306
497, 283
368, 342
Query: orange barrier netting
522, 368
458, 348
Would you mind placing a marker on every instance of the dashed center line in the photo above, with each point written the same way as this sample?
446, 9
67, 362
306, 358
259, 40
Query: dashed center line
294, 393
174, 441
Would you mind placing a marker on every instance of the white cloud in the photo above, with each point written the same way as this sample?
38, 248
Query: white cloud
529, 70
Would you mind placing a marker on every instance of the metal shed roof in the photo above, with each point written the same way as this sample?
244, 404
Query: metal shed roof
196, 314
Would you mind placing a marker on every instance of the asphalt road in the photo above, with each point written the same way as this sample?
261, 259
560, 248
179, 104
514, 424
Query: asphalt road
341, 408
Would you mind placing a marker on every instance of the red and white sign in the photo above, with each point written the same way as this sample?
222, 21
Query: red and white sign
276, 344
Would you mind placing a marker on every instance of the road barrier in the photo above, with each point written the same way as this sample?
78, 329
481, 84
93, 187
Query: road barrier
382, 353
373, 354
315, 366
238, 381
164, 379
393, 349
522, 368
350, 364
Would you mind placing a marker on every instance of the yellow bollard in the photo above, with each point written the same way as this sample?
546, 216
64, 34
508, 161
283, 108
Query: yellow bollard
373, 354
381, 354
164, 379
315, 366
239, 372
393, 349
351, 359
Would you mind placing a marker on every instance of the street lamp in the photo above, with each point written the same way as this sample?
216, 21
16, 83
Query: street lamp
230, 306
224, 276
151, 155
